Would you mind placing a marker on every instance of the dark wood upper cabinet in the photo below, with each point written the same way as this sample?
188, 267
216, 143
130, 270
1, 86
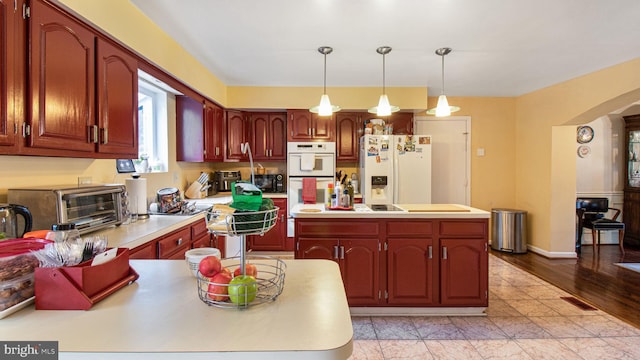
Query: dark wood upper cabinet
7, 67
631, 205
349, 129
117, 85
303, 125
268, 134
62, 88
213, 132
189, 129
236, 124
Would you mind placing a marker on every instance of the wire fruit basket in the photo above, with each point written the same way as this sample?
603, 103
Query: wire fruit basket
266, 286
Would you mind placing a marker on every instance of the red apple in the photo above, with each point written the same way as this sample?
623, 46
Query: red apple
209, 266
226, 271
218, 288
249, 269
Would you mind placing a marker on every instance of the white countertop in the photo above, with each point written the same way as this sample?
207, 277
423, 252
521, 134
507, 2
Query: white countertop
145, 230
428, 211
161, 317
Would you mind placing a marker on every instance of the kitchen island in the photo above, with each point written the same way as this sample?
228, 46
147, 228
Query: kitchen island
160, 316
405, 259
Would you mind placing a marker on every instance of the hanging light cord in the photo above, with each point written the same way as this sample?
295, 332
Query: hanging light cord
442, 74
383, 74
325, 75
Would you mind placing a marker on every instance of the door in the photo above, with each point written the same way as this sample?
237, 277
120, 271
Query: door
236, 135
317, 248
410, 271
62, 89
213, 132
9, 56
349, 128
360, 267
117, 87
189, 130
463, 272
274, 239
451, 141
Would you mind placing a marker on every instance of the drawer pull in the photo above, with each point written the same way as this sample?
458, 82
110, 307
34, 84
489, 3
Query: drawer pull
179, 242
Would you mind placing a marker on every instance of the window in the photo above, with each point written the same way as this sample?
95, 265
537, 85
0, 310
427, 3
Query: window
153, 151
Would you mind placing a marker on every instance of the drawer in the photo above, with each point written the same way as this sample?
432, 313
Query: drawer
198, 229
144, 251
409, 228
204, 241
342, 228
463, 227
169, 243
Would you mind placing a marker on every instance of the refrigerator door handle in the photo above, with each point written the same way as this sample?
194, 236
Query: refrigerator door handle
396, 172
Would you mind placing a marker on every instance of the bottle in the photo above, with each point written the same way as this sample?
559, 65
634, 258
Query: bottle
351, 191
337, 191
345, 198
334, 200
328, 194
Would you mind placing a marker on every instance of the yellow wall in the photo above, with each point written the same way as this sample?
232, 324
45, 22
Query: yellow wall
530, 150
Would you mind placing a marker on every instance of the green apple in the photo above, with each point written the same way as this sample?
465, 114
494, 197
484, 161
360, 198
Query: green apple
243, 289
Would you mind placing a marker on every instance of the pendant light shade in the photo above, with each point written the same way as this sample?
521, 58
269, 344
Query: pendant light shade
325, 108
383, 108
443, 108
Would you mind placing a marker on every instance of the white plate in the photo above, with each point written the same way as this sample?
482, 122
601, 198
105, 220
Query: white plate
6, 312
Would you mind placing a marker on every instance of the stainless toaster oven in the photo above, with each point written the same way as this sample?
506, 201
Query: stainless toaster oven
90, 207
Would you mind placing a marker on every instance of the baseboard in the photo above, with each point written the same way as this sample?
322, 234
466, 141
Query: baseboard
418, 311
554, 254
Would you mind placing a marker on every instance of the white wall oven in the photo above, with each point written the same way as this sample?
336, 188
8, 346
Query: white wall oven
308, 160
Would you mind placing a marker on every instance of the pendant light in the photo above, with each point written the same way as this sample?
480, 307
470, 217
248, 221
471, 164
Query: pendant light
325, 108
383, 108
443, 108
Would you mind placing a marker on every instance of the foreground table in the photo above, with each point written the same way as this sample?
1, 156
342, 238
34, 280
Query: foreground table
161, 317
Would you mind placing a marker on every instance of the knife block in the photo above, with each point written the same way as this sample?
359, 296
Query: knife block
80, 287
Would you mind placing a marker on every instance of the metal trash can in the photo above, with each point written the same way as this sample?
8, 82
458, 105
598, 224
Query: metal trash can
508, 230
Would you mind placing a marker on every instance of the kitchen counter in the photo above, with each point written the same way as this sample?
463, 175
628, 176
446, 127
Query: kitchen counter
145, 230
408, 211
161, 317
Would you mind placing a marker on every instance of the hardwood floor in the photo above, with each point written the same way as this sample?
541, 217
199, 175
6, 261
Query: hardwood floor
592, 277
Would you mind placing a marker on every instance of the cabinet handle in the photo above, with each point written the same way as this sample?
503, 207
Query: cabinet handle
179, 242
342, 252
444, 253
309, 131
281, 218
217, 151
430, 252
313, 132
335, 252
105, 135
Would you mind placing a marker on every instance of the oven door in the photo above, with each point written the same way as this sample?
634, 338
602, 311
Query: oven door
295, 196
312, 164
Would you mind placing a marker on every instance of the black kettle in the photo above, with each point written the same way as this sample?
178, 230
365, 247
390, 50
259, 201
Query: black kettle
9, 220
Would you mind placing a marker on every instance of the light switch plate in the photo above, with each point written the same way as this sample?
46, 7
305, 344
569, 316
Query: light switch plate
480, 151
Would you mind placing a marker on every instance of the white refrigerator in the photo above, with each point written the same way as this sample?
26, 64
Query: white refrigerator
395, 169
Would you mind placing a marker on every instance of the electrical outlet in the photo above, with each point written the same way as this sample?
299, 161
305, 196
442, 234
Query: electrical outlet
84, 180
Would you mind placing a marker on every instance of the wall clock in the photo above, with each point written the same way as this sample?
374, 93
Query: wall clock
585, 134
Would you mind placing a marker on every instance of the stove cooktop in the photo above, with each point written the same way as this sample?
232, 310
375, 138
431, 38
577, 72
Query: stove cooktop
384, 207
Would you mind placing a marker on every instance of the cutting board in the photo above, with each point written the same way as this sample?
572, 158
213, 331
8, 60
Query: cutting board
433, 208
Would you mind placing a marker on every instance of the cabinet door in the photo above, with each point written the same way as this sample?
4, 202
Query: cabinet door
299, 125
323, 127
348, 132
402, 123
117, 86
278, 146
62, 87
410, 271
236, 135
464, 272
260, 136
274, 239
213, 132
360, 267
317, 248
189, 130
8, 72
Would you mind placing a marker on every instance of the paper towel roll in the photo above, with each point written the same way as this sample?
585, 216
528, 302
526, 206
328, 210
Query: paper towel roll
137, 189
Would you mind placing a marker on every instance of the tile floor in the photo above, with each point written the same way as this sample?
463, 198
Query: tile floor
526, 319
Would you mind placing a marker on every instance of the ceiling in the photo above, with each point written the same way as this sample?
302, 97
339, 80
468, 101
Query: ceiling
500, 47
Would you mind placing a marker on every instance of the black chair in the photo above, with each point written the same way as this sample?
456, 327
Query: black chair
591, 215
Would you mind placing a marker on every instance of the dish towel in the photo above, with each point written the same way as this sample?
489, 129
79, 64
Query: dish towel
309, 190
307, 161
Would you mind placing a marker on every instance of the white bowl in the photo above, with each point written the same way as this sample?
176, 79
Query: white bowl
194, 256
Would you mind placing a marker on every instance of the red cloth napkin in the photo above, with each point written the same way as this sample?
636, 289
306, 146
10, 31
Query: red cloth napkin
309, 190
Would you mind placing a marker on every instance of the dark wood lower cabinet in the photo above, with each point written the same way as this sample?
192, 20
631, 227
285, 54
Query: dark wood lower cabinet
175, 244
403, 262
276, 238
